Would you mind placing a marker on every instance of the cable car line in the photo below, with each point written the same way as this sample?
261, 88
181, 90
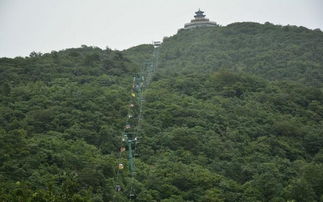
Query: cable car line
129, 136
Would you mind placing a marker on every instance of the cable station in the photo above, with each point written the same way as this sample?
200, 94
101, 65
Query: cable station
130, 134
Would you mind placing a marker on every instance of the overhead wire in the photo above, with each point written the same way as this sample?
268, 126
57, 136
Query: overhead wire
129, 136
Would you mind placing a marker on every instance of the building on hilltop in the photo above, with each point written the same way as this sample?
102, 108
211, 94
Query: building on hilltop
199, 21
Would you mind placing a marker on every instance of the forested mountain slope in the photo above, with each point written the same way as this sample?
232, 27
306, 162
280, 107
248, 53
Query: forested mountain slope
234, 113
267, 50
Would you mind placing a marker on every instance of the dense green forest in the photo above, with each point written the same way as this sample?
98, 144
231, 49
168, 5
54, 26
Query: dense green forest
234, 113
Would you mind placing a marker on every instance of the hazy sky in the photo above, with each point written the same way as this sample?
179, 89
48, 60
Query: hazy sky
45, 25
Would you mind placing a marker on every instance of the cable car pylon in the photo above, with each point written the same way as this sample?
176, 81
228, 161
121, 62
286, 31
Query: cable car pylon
129, 137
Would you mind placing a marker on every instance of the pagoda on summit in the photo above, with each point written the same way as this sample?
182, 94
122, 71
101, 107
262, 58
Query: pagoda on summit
199, 14
199, 21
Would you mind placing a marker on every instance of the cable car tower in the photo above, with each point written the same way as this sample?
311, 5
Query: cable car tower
129, 136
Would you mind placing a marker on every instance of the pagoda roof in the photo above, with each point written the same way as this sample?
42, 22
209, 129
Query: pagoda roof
199, 13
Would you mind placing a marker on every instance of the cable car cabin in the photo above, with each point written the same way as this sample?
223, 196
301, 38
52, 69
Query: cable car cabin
118, 188
129, 129
128, 126
134, 107
120, 166
136, 87
132, 116
122, 149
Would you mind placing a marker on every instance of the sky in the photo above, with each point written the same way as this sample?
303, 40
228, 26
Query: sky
46, 25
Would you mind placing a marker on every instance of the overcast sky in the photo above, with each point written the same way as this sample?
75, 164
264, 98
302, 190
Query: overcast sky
46, 25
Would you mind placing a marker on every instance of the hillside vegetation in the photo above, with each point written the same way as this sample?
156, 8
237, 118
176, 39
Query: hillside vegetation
233, 113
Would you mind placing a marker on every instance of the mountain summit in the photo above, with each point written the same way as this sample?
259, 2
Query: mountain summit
199, 21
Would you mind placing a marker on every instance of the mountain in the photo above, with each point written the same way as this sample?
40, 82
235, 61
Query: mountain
233, 113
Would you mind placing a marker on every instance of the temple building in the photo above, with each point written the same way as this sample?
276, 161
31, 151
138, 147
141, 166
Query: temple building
199, 21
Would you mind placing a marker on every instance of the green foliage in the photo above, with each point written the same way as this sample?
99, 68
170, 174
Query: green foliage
233, 113
270, 51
